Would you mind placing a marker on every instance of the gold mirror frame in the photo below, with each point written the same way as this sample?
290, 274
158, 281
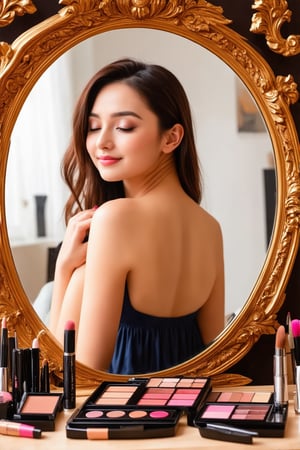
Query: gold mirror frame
269, 18
23, 62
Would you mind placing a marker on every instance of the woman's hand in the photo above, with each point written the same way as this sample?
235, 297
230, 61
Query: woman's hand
74, 247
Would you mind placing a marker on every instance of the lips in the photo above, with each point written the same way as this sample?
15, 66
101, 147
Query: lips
108, 160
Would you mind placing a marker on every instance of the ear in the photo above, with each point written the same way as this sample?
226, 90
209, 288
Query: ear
173, 138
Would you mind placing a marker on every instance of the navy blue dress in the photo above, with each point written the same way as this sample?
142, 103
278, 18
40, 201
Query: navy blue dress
148, 343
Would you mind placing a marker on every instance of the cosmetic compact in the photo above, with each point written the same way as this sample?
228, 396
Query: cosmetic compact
140, 404
6, 405
39, 409
254, 411
122, 423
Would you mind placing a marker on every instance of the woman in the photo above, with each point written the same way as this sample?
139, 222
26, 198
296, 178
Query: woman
141, 274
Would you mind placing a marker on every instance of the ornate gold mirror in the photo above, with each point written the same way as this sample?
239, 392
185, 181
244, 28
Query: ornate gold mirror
21, 65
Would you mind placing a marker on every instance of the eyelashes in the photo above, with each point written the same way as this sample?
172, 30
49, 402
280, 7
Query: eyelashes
94, 129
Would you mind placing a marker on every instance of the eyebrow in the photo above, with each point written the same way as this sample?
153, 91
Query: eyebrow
118, 114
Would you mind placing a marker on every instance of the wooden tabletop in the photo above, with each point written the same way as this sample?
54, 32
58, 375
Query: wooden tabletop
186, 437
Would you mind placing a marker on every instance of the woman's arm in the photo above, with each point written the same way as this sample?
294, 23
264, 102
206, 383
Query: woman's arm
72, 255
108, 263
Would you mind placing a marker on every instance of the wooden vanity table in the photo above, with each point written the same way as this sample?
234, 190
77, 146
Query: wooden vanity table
186, 437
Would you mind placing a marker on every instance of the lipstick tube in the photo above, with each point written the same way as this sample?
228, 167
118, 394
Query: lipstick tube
69, 365
19, 429
3, 379
35, 366
280, 378
4, 357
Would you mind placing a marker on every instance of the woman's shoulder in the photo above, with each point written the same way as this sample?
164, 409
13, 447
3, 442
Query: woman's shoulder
209, 226
119, 205
120, 209
209, 218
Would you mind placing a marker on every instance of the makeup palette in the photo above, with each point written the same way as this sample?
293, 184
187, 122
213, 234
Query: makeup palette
122, 423
39, 409
239, 397
183, 393
248, 410
149, 404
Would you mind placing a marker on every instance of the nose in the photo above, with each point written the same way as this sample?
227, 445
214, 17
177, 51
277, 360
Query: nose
104, 140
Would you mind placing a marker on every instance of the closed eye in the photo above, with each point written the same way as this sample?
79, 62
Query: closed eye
91, 129
125, 129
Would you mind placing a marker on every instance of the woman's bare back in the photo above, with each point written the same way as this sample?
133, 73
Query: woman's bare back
177, 248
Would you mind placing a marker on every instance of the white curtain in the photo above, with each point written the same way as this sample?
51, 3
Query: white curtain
38, 141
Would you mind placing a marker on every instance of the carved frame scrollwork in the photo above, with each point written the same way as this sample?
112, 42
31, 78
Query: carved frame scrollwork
269, 19
9, 9
23, 62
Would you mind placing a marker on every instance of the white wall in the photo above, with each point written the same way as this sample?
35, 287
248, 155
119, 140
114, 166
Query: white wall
232, 162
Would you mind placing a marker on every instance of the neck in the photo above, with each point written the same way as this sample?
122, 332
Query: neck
163, 173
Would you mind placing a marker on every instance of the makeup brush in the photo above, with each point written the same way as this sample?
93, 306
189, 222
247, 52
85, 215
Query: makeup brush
280, 372
290, 350
295, 324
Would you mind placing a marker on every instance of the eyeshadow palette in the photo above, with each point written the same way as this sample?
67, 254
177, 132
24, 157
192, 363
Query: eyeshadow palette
183, 393
149, 404
239, 397
39, 409
251, 411
122, 423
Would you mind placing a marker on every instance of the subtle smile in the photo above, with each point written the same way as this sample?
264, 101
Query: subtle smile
108, 160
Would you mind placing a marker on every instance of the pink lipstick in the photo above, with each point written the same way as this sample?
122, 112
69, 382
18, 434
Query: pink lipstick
69, 366
4, 357
19, 429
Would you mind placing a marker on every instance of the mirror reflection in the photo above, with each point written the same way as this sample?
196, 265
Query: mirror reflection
141, 272
232, 162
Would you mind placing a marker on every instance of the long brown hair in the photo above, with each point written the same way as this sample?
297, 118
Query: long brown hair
165, 97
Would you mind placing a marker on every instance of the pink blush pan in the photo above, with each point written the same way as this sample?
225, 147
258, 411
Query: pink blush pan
217, 412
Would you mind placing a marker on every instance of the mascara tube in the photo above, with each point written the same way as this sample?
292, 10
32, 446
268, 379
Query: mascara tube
69, 365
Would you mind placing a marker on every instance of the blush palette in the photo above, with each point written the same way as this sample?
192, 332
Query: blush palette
243, 410
39, 409
150, 404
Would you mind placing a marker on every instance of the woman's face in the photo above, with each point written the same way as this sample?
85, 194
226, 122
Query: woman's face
124, 140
